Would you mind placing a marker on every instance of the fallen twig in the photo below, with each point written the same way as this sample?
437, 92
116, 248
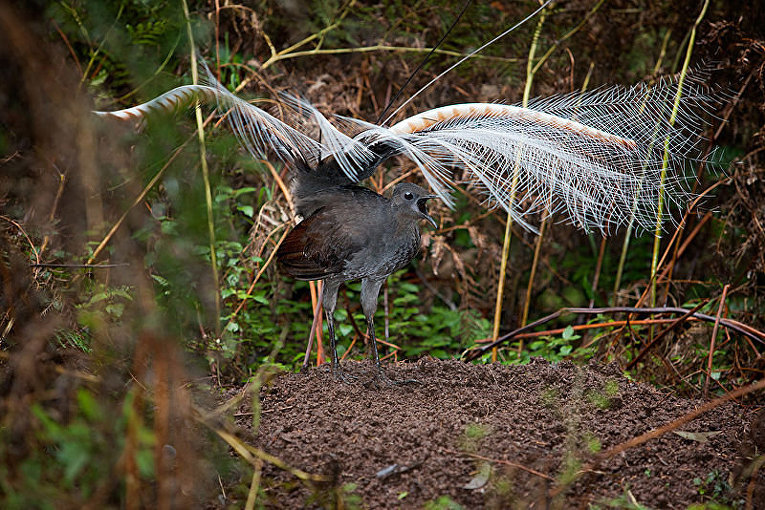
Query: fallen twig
664, 333
502, 461
743, 329
584, 327
653, 434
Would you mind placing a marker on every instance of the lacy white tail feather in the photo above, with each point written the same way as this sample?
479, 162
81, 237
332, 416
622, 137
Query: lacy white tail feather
258, 131
176, 99
596, 158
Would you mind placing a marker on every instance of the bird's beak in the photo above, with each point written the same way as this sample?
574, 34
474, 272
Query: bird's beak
424, 210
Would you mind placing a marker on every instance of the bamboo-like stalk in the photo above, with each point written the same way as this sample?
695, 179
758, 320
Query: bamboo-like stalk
665, 161
630, 226
513, 189
533, 274
598, 269
97, 52
622, 261
531, 71
677, 250
714, 338
205, 170
567, 35
546, 219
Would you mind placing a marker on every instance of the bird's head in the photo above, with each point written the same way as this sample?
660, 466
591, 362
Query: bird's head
412, 199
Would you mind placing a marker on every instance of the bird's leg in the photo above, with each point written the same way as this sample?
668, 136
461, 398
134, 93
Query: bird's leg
370, 290
329, 302
373, 340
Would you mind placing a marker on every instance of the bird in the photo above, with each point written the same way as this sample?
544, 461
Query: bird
354, 233
602, 159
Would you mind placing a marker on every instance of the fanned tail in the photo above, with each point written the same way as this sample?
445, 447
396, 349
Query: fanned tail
601, 159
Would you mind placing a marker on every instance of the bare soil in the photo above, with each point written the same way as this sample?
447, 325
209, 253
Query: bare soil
496, 436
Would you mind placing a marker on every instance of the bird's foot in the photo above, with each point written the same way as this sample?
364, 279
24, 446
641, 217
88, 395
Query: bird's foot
380, 379
340, 375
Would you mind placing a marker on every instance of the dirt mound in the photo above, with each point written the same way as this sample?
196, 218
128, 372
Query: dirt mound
496, 436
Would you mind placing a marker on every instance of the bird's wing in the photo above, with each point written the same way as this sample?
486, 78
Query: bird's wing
602, 158
302, 254
321, 245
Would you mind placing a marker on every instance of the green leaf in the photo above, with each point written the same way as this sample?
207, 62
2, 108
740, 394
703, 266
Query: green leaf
88, 405
569, 333
74, 455
261, 298
247, 210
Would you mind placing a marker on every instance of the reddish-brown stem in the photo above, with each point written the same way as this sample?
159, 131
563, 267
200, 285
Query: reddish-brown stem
714, 337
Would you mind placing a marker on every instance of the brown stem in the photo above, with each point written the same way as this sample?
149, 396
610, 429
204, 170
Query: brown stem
714, 337
739, 327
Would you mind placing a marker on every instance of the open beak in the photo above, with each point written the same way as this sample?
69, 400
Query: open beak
422, 206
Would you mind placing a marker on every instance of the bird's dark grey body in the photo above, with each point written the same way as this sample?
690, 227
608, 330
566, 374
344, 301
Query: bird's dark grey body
351, 233
356, 234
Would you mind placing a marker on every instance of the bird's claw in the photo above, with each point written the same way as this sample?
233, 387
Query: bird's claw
381, 379
340, 375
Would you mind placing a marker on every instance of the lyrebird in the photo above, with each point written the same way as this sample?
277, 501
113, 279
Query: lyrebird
601, 159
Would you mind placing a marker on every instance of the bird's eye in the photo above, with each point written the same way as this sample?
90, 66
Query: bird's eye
408, 195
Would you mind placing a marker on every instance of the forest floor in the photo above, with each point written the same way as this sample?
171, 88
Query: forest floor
497, 436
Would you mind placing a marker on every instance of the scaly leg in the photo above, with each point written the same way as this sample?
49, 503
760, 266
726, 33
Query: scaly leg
370, 290
329, 301
373, 339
